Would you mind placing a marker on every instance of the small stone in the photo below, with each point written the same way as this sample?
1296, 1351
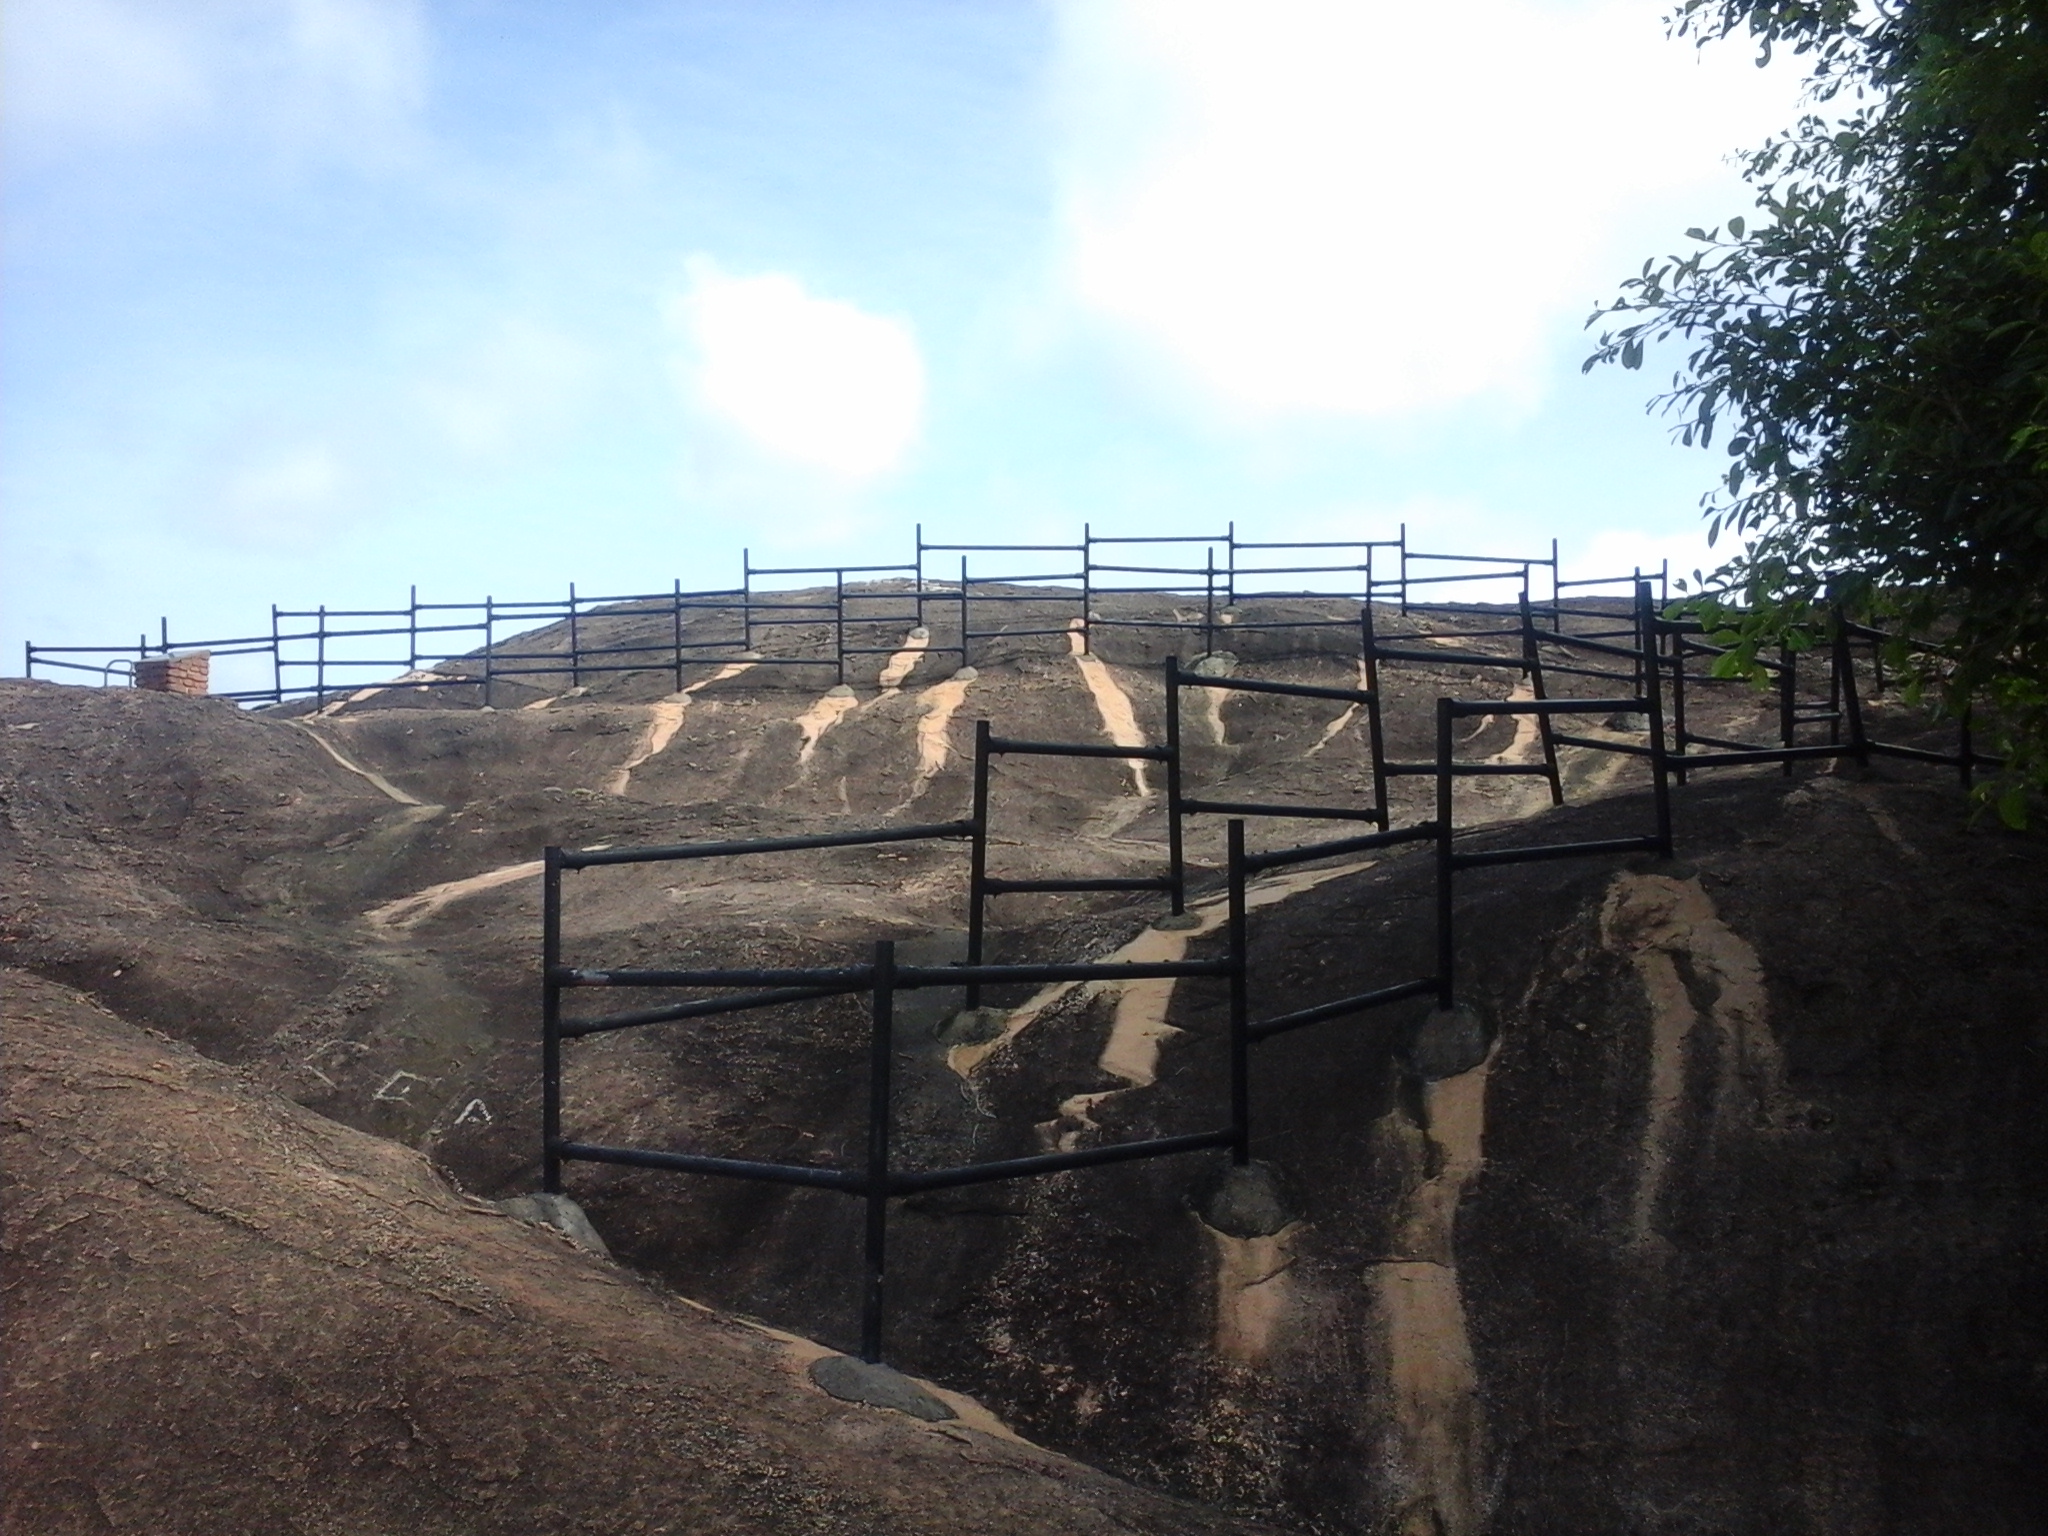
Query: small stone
841, 691
974, 1026
920, 633
864, 1381
1215, 664
1178, 922
965, 675
1448, 1042
1245, 1202
561, 1213
1627, 720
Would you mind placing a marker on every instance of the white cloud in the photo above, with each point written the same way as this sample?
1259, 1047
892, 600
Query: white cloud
339, 76
807, 379
1373, 209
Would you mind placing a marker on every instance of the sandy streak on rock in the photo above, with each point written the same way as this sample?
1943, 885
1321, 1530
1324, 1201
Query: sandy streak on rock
941, 702
664, 719
408, 910
1435, 1443
1132, 1051
820, 718
1657, 920
1331, 731
1112, 704
382, 785
1253, 1296
836, 706
899, 666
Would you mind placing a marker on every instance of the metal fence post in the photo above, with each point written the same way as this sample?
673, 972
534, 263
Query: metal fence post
320, 658
1445, 947
412, 629
1653, 703
575, 643
965, 659
551, 1021
676, 629
1088, 594
1175, 859
881, 1054
490, 644
839, 622
276, 662
1369, 659
1678, 731
1845, 683
977, 859
1240, 1007
1534, 657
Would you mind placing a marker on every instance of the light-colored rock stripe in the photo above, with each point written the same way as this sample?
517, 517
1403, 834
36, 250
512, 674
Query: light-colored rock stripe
664, 719
1112, 704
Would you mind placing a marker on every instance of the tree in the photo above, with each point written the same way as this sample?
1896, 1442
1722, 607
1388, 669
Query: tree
1873, 349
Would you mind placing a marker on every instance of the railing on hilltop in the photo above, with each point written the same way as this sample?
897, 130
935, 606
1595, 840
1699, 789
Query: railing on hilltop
321, 652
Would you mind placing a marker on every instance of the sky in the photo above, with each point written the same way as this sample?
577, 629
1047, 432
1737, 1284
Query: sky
315, 301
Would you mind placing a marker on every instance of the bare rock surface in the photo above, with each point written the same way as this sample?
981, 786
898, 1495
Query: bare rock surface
227, 1313
1716, 1207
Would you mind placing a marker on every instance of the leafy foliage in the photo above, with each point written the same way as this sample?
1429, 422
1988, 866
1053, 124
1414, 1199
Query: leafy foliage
1873, 348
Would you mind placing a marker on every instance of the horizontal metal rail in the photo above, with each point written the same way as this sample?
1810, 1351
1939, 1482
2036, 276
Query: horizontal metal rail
1057, 1162
1008, 747
1342, 1007
996, 886
1308, 853
1487, 857
701, 1008
720, 1167
1285, 690
1191, 806
588, 858
1466, 708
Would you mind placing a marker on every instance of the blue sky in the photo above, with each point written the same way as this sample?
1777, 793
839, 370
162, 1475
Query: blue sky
311, 300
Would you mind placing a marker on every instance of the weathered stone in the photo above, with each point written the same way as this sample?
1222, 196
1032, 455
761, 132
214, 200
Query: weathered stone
1245, 1202
1449, 1041
561, 1213
973, 1026
862, 1381
965, 675
1175, 922
1215, 664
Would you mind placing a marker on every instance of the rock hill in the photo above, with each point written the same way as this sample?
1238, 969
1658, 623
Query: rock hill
1726, 1217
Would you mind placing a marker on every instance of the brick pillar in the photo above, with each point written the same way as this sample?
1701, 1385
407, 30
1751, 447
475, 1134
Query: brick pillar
185, 673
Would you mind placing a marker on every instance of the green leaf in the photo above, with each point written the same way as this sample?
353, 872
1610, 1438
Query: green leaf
2012, 807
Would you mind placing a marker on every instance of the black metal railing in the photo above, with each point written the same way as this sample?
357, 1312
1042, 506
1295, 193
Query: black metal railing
844, 617
878, 1181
